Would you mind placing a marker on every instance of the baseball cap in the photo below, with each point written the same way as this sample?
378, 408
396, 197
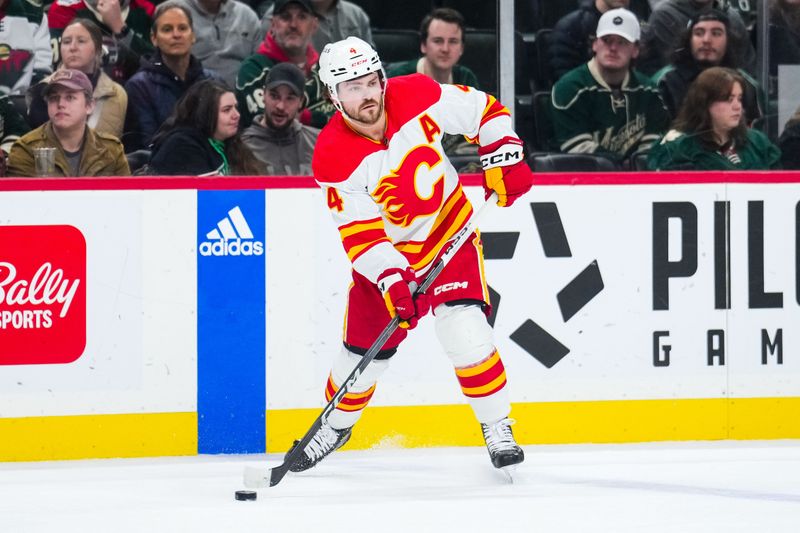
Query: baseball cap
71, 79
286, 74
712, 14
305, 4
620, 22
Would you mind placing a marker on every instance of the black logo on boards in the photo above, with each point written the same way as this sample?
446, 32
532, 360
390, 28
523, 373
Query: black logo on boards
530, 336
753, 277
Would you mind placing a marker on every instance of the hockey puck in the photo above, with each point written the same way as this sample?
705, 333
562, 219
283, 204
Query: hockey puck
246, 495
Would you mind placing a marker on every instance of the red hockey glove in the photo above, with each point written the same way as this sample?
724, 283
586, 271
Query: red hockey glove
394, 285
505, 170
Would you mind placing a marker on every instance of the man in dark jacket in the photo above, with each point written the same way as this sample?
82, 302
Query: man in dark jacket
663, 31
705, 43
571, 41
162, 77
277, 138
293, 24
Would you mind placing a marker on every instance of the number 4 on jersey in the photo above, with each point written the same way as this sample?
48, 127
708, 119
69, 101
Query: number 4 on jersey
334, 200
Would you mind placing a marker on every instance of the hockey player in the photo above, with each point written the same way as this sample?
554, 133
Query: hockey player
397, 200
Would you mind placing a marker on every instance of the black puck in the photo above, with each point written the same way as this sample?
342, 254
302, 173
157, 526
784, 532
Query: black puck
246, 495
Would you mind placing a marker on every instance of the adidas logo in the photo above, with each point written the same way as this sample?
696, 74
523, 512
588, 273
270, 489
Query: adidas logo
232, 236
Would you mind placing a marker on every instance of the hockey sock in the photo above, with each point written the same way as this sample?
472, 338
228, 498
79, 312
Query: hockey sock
352, 405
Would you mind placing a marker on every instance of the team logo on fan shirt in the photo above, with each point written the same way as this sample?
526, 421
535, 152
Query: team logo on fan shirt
42, 294
399, 192
232, 236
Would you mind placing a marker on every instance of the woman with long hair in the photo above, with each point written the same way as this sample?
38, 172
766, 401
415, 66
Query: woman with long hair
711, 133
82, 49
201, 137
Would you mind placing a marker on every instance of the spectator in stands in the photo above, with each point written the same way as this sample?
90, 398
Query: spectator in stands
293, 24
26, 54
80, 151
277, 138
163, 77
789, 143
668, 21
704, 44
125, 25
605, 106
338, 19
12, 127
226, 34
784, 34
201, 138
81, 48
710, 132
12, 124
442, 45
571, 41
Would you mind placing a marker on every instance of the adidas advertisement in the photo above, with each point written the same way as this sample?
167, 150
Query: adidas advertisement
231, 326
231, 236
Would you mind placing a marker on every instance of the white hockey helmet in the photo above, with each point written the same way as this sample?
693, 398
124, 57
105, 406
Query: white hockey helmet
347, 60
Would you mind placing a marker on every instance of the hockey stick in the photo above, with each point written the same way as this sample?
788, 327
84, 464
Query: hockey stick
259, 477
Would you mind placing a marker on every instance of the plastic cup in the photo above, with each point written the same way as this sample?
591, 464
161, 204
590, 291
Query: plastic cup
45, 161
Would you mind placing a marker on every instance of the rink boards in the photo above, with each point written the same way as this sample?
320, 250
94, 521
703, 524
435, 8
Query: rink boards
145, 317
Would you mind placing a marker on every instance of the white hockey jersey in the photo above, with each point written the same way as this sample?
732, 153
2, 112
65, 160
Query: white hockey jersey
24, 46
397, 202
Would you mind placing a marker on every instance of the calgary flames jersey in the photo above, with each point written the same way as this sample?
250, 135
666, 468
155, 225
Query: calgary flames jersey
397, 202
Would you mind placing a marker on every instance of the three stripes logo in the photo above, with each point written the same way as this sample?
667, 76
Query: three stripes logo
232, 236
530, 336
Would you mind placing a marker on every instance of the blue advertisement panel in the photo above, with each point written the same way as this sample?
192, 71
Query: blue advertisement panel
231, 399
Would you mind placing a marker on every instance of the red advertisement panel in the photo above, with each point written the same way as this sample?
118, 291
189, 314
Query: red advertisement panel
42, 294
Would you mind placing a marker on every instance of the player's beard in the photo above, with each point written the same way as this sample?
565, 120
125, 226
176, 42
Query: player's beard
368, 117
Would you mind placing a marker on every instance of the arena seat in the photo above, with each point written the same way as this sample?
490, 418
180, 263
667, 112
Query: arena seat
541, 75
480, 55
395, 45
543, 131
558, 162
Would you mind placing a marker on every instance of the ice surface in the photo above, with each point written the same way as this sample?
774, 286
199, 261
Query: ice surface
647, 488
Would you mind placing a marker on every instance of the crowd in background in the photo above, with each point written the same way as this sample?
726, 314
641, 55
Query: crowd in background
226, 87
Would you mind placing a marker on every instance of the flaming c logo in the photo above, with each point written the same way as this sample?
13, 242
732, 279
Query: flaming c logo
398, 193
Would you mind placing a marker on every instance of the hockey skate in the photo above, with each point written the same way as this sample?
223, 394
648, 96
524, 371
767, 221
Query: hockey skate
323, 443
503, 449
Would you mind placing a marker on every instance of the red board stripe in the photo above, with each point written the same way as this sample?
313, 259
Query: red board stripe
307, 182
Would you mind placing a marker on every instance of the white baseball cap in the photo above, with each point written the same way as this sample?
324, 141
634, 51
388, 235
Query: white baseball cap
620, 22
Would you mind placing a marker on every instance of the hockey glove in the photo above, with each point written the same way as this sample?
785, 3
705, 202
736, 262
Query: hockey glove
505, 170
394, 285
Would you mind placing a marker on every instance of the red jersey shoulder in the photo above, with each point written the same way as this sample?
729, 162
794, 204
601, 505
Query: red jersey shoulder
339, 150
408, 96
